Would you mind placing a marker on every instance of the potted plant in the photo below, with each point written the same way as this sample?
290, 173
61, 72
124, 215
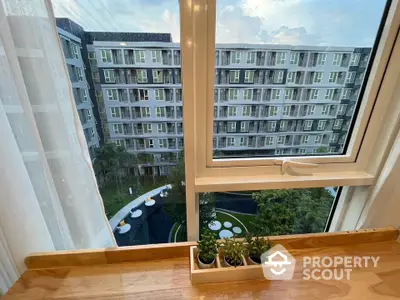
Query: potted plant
207, 250
233, 251
256, 247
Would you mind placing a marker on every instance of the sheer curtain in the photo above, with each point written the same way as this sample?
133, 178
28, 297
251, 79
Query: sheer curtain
49, 198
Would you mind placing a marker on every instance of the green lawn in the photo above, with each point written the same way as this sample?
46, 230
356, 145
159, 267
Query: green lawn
112, 204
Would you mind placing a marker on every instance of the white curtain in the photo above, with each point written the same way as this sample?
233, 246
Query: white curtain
49, 198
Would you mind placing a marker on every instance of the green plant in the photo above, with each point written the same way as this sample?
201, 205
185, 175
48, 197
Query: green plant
233, 251
257, 246
207, 247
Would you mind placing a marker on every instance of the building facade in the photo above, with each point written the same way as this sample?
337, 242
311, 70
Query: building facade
72, 46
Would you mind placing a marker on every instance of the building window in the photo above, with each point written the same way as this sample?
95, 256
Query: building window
160, 112
269, 141
318, 139
350, 77
337, 59
286, 110
334, 138
232, 110
308, 124
333, 77
147, 128
246, 111
283, 125
79, 73
106, 56
271, 126
290, 78
235, 57
338, 124
294, 58
84, 95
272, 111
275, 94
157, 76
329, 94
161, 128
278, 151
232, 126
162, 143
324, 110
321, 125
159, 93
342, 109
302, 151
279, 76
355, 59
244, 126
248, 76
119, 143
75, 51
289, 94
112, 95
115, 112
96, 77
145, 112
304, 139
234, 76
280, 58
318, 76
117, 128
233, 94
281, 140
321, 59
314, 94
149, 143
243, 141
109, 76
251, 57
248, 94
141, 76
230, 141
143, 94
139, 56
309, 110
156, 56
346, 94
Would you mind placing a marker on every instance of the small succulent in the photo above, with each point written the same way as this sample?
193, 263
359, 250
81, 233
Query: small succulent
257, 246
233, 251
207, 247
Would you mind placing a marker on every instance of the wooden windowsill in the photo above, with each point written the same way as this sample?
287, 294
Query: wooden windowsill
162, 272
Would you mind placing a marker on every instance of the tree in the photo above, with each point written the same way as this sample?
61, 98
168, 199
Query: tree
291, 211
175, 203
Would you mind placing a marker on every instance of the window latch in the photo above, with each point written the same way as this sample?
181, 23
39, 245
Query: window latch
287, 165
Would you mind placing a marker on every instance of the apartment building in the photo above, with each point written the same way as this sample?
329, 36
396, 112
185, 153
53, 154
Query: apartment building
269, 99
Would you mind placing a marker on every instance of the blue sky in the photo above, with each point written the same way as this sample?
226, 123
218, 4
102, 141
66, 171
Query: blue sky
297, 22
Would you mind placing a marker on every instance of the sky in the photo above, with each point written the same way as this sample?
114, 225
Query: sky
352, 23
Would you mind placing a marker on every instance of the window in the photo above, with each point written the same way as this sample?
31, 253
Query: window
243, 141
96, 77
280, 58
342, 109
294, 58
321, 59
346, 94
308, 124
269, 141
143, 94
324, 110
329, 94
115, 112
318, 138
75, 51
233, 94
145, 112
248, 76
309, 110
156, 56
235, 57
286, 110
244, 126
162, 143
350, 77
161, 128
109, 76
355, 59
230, 141
147, 128
304, 139
157, 76
289, 94
251, 57
248, 94
232, 111
318, 76
159, 93
275, 94
302, 151
272, 111
149, 143
160, 112
89, 114
112, 95
314, 94
271, 125
290, 77
106, 56
232, 126
338, 124
279, 76
283, 125
321, 125
117, 128
119, 143
334, 138
333, 77
281, 140
84, 95
142, 76
139, 56
337, 59
234, 76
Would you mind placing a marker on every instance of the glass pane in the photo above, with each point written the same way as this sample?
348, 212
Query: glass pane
268, 212
124, 63
290, 75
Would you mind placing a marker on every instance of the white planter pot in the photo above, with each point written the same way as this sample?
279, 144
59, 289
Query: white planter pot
205, 266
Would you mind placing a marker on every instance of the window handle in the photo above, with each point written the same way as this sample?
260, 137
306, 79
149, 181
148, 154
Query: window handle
286, 164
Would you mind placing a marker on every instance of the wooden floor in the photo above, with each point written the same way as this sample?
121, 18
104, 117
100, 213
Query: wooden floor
170, 279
